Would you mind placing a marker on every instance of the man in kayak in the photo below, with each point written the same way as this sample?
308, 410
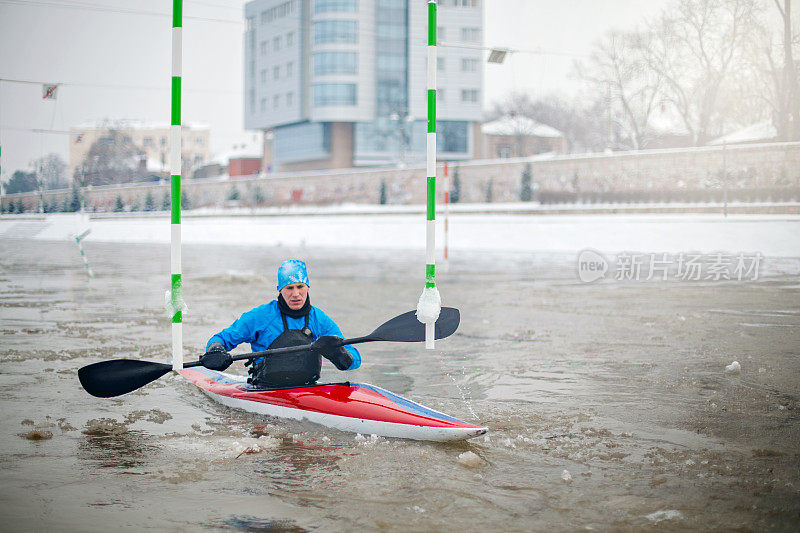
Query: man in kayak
289, 320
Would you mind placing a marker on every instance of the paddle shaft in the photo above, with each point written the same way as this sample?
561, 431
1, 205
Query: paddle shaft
381, 333
288, 349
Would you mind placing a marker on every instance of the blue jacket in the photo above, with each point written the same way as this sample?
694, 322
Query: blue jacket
262, 325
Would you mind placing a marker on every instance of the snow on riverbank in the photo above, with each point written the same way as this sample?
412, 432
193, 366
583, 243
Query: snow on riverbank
771, 235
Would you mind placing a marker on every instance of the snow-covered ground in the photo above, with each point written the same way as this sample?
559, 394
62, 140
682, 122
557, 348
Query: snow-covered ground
771, 235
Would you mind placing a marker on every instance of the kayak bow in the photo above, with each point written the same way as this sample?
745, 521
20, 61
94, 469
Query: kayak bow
353, 407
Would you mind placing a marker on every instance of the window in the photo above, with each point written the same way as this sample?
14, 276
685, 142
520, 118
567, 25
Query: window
471, 35
263, 75
451, 136
276, 43
198, 141
263, 48
263, 105
163, 141
393, 63
333, 6
298, 142
251, 23
391, 31
290, 38
147, 141
469, 64
335, 63
336, 31
289, 99
326, 94
440, 63
263, 17
289, 69
469, 96
276, 101
276, 72
281, 10
466, 3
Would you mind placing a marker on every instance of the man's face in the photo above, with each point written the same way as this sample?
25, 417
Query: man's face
295, 295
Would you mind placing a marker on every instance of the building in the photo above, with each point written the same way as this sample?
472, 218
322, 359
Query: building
342, 83
760, 132
152, 139
520, 136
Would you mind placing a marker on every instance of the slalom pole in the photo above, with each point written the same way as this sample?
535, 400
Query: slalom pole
429, 303
446, 217
78, 239
176, 293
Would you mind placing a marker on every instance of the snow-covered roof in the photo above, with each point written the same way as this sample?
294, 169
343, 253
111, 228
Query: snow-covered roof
760, 131
132, 124
251, 149
519, 125
154, 165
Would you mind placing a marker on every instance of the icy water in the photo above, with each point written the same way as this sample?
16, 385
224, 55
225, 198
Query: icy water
607, 403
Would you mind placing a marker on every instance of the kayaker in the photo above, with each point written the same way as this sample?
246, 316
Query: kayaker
289, 320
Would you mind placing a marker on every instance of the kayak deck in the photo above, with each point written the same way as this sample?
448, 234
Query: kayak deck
354, 407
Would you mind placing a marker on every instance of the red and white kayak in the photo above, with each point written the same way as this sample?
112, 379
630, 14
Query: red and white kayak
354, 407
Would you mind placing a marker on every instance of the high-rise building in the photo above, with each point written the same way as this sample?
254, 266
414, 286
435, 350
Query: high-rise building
342, 83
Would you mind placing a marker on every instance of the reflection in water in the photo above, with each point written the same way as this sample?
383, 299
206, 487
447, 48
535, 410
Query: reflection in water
294, 466
254, 524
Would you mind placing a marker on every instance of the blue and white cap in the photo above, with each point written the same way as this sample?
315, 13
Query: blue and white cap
292, 271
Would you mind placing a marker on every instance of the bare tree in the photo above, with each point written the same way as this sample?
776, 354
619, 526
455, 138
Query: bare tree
695, 49
618, 71
787, 92
582, 126
50, 170
113, 158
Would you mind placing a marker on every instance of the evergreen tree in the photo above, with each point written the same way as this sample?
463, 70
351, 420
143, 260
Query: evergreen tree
51, 206
258, 196
489, 190
12, 208
455, 194
73, 203
149, 202
166, 202
135, 206
119, 207
185, 203
22, 182
525, 188
233, 193
383, 192
20, 206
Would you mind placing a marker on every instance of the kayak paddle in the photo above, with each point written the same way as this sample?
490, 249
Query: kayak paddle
121, 376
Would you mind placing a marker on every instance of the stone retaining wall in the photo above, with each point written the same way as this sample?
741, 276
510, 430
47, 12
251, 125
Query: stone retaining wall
772, 170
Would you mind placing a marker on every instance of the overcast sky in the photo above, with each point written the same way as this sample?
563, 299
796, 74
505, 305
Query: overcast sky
113, 58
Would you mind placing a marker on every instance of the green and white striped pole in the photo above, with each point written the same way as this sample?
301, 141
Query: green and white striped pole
78, 239
176, 294
430, 303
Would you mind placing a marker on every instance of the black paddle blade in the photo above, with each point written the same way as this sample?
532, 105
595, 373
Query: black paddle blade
119, 376
407, 328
